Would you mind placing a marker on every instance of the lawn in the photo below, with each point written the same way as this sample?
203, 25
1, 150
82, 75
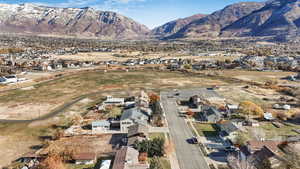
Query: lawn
165, 163
207, 130
74, 166
272, 132
156, 135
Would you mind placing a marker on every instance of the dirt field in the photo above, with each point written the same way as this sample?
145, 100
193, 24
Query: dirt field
254, 76
105, 56
44, 97
102, 145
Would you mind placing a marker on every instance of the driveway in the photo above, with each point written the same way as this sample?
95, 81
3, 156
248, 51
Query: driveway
189, 156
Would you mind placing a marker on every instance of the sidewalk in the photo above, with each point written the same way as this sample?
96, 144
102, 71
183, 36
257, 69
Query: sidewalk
172, 157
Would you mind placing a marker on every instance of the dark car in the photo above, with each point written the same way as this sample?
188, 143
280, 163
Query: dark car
193, 140
230, 149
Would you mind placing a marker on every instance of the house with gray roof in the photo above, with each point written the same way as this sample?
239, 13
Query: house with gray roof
228, 130
211, 115
133, 116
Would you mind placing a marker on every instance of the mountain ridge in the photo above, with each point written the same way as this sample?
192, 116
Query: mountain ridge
36, 19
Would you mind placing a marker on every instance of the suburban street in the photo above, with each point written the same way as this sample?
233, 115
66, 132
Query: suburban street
189, 156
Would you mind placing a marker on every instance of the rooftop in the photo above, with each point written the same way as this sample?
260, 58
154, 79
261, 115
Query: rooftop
134, 114
255, 145
138, 129
101, 123
84, 156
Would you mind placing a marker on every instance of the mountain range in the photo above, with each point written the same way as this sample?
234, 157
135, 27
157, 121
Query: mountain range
277, 19
83, 22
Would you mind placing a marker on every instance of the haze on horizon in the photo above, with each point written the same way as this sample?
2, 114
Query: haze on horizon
151, 13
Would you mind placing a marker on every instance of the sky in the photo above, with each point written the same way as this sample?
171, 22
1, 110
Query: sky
151, 13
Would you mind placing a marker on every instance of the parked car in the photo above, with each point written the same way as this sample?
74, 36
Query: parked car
9, 79
193, 140
230, 149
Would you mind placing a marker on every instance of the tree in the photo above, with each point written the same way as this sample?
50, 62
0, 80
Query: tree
266, 164
291, 160
157, 147
153, 98
154, 148
187, 66
155, 164
53, 161
249, 108
240, 139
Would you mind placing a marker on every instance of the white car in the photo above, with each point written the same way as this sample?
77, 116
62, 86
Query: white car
9, 79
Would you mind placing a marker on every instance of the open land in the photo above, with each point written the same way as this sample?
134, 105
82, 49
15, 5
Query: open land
53, 96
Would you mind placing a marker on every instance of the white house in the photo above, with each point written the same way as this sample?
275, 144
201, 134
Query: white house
100, 126
114, 101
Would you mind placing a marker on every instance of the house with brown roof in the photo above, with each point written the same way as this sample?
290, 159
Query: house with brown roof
127, 158
84, 158
137, 132
255, 145
256, 152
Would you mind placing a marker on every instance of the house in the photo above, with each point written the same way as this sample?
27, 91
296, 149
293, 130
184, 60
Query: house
127, 158
114, 101
228, 131
137, 132
231, 108
144, 99
133, 116
84, 158
211, 115
100, 126
255, 152
255, 145
195, 101
105, 164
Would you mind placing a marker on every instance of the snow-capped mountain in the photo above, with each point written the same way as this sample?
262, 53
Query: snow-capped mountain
82, 22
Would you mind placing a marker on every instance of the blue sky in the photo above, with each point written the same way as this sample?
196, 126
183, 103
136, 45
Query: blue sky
152, 13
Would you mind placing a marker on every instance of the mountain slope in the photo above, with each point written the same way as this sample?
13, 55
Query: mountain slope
278, 18
174, 26
33, 19
211, 25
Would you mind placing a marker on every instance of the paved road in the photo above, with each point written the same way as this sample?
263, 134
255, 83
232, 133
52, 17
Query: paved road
189, 156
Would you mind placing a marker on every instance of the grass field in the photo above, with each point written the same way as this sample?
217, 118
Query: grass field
272, 132
207, 130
